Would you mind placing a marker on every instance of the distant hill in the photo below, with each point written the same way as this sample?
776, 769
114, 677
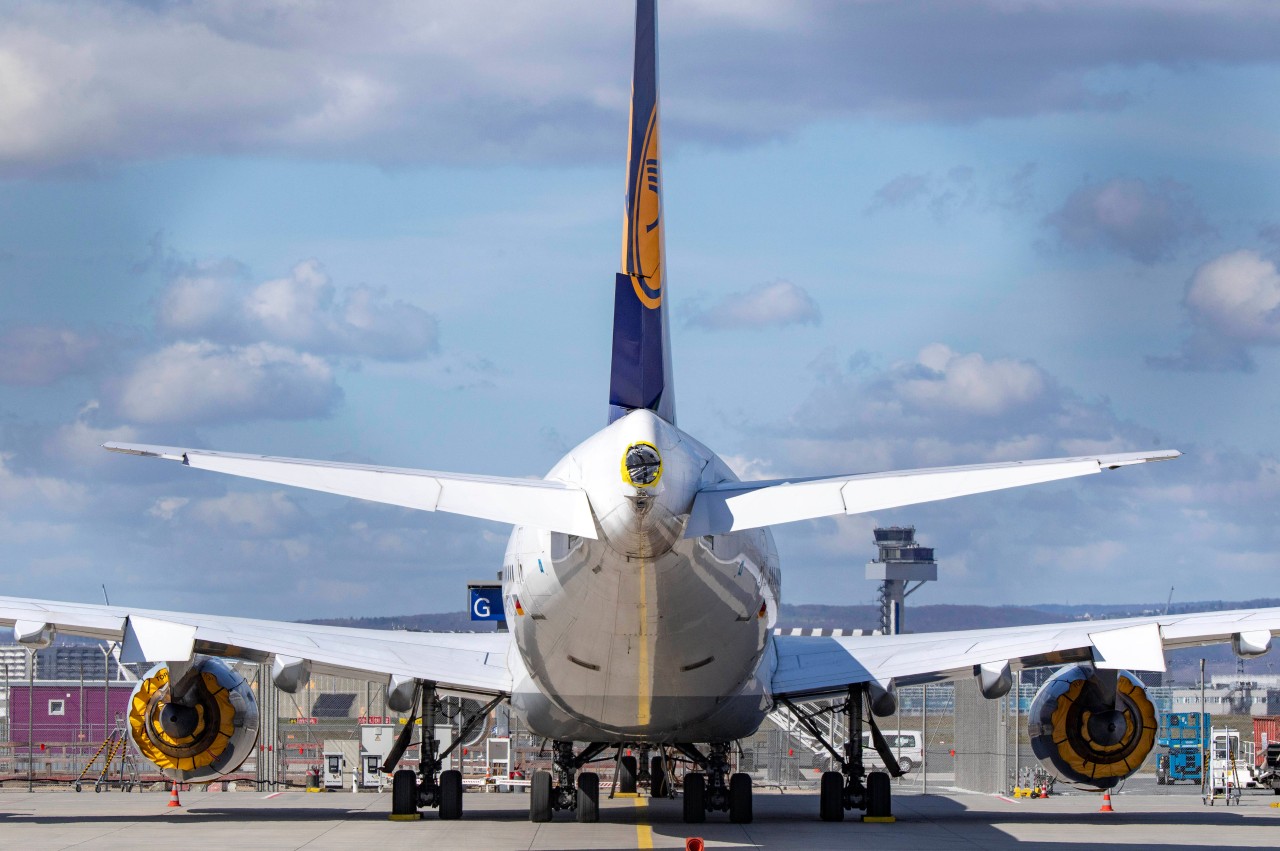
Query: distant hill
936, 618
435, 622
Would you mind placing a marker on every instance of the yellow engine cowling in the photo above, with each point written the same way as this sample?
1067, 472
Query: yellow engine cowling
202, 734
1084, 738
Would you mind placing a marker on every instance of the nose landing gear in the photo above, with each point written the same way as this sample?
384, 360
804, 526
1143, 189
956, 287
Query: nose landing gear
576, 791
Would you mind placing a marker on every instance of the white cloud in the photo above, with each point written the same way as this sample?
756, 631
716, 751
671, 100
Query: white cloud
36, 355
31, 491
302, 310
92, 83
243, 515
1146, 221
970, 383
207, 383
79, 443
1233, 302
1238, 295
767, 305
167, 507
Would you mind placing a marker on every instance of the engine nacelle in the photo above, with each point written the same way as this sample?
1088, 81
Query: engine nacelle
1083, 737
201, 734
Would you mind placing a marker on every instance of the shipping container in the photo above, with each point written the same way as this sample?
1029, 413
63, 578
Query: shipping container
1266, 730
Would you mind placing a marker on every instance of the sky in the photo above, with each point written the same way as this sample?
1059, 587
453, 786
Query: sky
900, 234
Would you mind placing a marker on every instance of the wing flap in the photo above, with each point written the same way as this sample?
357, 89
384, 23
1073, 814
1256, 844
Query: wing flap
819, 666
749, 505
471, 663
531, 502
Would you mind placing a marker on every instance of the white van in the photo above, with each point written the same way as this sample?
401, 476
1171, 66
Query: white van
907, 746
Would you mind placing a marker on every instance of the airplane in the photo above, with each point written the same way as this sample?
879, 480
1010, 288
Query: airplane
642, 585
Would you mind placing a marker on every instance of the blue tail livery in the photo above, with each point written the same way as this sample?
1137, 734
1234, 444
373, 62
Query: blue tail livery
641, 374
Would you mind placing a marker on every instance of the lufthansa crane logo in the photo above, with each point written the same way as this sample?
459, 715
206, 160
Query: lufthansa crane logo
644, 221
641, 465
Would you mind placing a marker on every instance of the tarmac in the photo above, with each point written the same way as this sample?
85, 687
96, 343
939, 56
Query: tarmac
340, 820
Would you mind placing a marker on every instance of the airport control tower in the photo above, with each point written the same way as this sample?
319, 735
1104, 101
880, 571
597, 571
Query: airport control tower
901, 560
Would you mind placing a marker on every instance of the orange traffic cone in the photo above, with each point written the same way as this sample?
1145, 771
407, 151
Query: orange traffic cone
1106, 803
173, 796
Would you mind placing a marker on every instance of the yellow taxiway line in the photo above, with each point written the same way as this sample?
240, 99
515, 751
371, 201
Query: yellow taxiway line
644, 832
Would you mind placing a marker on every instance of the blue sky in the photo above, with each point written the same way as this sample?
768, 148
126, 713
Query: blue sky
899, 234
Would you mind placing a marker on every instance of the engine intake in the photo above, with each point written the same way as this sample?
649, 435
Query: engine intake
1084, 737
205, 732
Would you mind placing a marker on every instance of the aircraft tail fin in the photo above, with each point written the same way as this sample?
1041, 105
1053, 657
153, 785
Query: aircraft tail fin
641, 374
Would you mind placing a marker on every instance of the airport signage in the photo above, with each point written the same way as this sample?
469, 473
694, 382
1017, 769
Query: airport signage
485, 602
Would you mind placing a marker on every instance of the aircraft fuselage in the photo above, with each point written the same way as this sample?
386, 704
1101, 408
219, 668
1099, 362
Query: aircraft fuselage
641, 635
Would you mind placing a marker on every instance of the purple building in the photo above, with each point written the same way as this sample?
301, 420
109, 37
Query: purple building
65, 711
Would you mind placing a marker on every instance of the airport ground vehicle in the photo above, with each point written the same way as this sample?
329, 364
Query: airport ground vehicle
906, 745
1182, 738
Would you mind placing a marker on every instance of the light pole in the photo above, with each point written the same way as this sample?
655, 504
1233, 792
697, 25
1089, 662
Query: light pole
31, 703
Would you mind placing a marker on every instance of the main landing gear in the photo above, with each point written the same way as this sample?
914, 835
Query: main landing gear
713, 788
575, 790
429, 787
844, 790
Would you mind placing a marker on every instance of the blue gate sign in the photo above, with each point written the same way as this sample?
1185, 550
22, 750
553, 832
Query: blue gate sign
486, 604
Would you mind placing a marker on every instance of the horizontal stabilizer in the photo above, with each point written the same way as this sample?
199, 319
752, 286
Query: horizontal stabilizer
529, 502
732, 506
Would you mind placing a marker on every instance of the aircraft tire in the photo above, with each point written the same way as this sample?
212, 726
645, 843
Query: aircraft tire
831, 798
588, 797
658, 785
695, 798
740, 798
627, 775
540, 797
450, 795
879, 801
404, 793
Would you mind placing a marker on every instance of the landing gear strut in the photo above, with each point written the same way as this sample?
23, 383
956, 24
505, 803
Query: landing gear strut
844, 790
429, 786
574, 790
713, 788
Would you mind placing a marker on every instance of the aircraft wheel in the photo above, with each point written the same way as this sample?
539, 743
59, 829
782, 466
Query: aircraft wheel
740, 798
658, 785
404, 793
695, 798
450, 795
540, 796
627, 775
879, 804
588, 797
831, 799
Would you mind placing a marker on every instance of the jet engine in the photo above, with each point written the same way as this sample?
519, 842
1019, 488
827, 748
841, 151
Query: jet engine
199, 728
1086, 731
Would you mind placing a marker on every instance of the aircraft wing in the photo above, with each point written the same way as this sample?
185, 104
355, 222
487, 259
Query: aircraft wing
732, 506
464, 663
542, 503
812, 666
